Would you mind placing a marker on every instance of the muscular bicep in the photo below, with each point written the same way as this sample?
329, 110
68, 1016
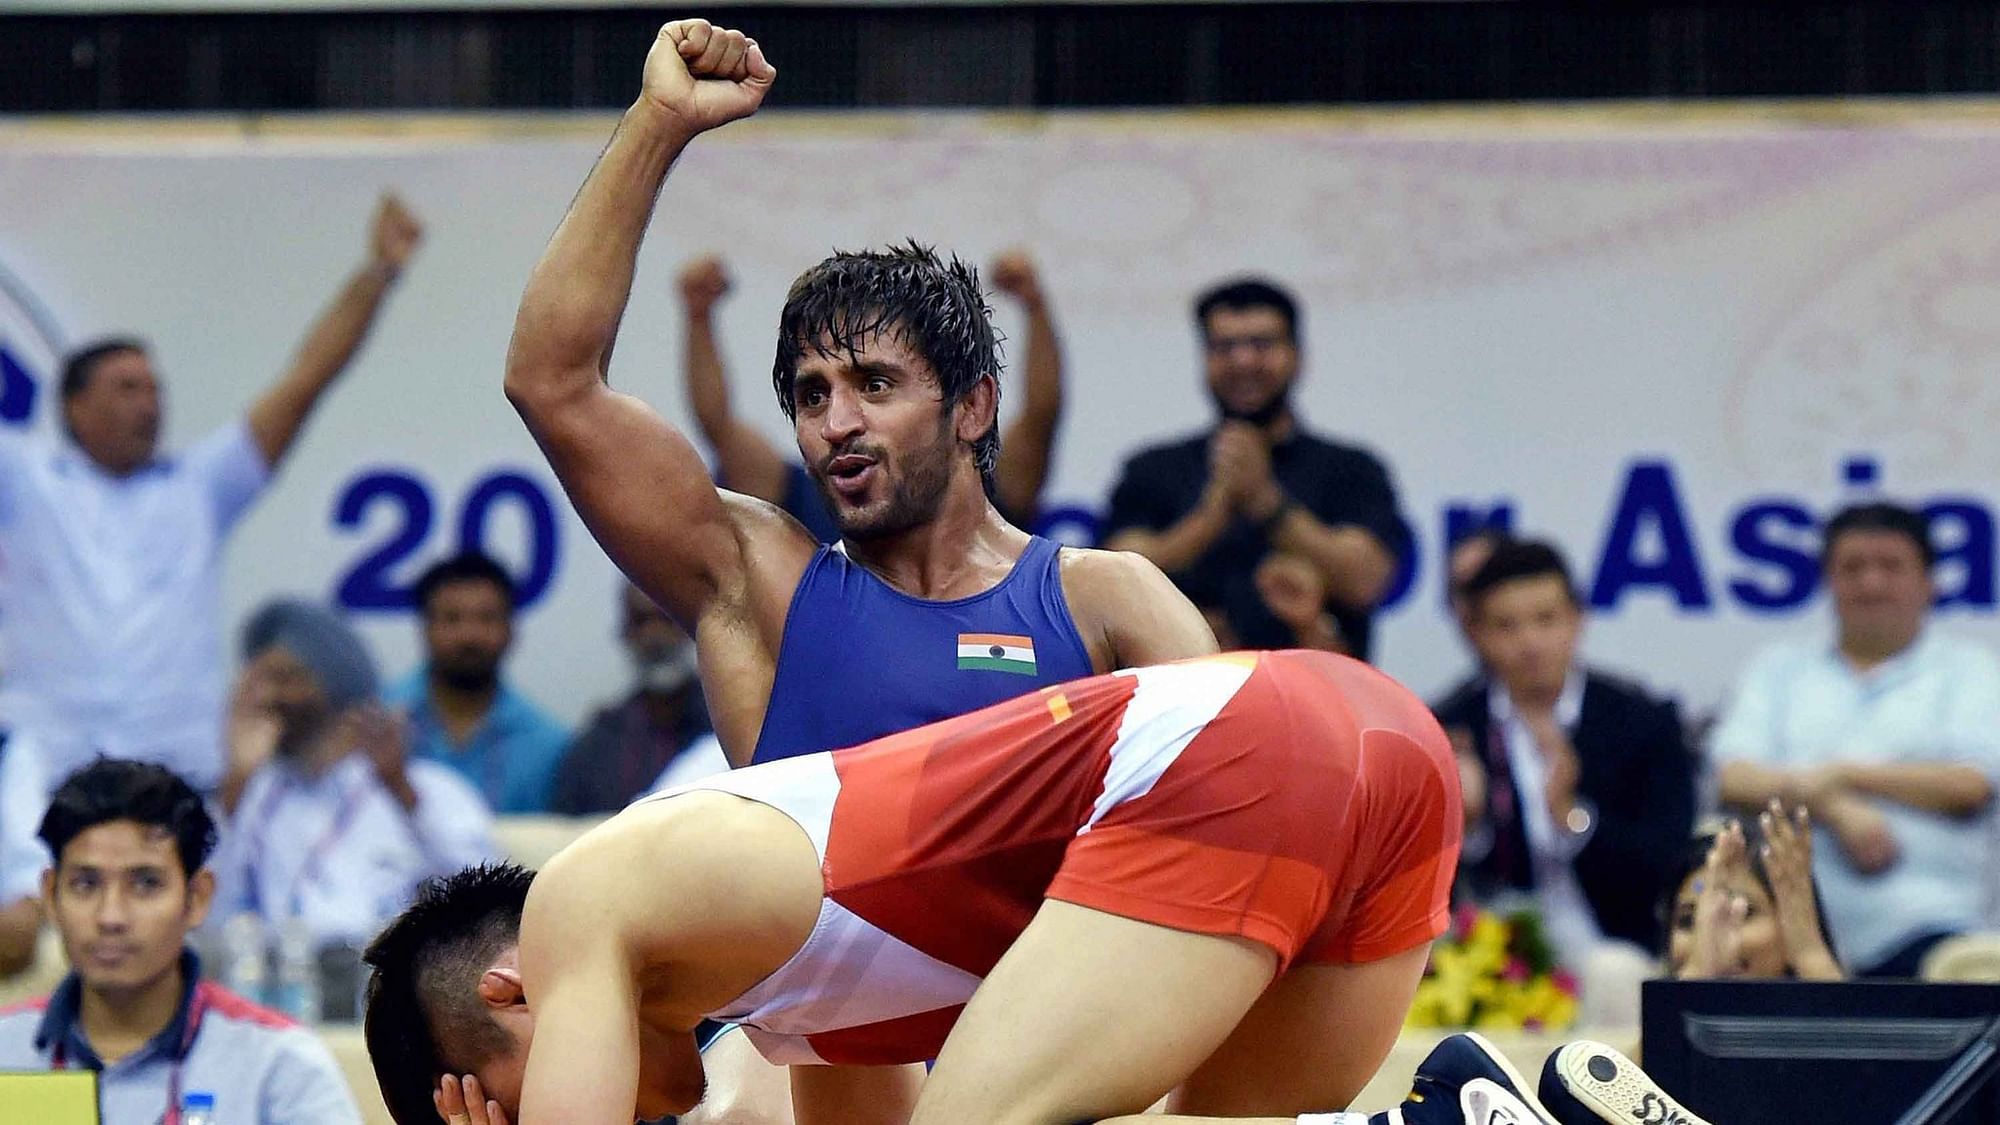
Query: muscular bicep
643, 491
1130, 613
1159, 623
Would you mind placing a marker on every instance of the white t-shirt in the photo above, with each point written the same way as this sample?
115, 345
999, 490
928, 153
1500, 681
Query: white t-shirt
111, 599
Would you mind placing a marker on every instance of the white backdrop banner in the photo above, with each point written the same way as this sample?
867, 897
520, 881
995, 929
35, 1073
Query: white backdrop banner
1672, 349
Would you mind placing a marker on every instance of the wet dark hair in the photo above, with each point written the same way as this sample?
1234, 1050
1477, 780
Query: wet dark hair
82, 363
467, 566
1513, 560
1248, 293
906, 291
1879, 517
423, 997
1695, 857
111, 789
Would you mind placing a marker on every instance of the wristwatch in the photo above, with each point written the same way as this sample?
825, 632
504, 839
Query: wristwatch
1581, 819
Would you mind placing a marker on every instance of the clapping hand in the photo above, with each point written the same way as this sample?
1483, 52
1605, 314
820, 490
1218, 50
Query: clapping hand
1719, 912
1787, 856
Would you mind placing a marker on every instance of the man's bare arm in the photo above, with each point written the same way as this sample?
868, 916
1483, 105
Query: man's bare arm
747, 462
578, 965
1028, 442
281, 412
1177, 547
1946, 788
1356, 565
1130, 613
637, 482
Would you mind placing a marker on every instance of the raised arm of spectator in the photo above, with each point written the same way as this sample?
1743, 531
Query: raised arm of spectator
637, 482
1028, 442
745, 461
278, 416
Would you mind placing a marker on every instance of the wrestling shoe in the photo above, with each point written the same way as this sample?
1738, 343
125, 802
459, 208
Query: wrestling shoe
1481, 1101
1587, 1083
1465, 1081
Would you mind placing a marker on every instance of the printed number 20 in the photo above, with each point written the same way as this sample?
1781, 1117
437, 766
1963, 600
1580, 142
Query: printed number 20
367, 586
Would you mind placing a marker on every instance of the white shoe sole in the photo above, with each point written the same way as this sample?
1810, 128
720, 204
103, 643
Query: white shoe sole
1615, 1089
1523, 1089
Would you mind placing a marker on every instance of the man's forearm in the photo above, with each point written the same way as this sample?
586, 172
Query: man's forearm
707, 389
329, 346
1025, 446
1750, 787
1947, 789
576, 295
1177, 547
1355, 565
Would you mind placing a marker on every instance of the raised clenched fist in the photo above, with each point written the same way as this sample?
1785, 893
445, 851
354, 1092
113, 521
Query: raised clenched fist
703, 282
706, 76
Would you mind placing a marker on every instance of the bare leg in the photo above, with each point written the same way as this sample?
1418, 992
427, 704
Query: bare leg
1089, 1016
1311, 1042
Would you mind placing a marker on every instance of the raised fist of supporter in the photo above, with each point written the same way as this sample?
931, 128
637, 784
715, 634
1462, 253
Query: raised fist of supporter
706, 76
703, 282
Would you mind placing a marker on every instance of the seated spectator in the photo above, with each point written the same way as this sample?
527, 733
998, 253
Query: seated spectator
331, 822
1745, 904
461, 712
1889, 734
1209, 509
1588, 785
626, 747
749, 463
127, 888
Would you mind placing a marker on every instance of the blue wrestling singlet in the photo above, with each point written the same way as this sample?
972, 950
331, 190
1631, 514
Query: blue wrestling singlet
861, 660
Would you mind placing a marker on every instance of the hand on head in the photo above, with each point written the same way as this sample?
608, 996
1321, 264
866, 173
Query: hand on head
706, 76
460, 1101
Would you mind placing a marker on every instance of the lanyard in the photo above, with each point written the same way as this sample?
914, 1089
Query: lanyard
172, 1115
352, 796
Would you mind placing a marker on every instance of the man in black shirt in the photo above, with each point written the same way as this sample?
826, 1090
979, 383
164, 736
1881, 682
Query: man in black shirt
1283, 538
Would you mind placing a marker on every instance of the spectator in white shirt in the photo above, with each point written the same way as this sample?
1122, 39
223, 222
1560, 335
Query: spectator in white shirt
1889, 735
110, 592
330, 821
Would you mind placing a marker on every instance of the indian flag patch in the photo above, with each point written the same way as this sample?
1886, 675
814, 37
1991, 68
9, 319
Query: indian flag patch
996, 652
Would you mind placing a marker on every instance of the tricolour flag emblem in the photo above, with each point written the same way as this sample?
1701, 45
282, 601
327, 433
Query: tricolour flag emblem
996, 652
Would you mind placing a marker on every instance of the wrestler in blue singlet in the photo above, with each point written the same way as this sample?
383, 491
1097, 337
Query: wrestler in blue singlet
861, 660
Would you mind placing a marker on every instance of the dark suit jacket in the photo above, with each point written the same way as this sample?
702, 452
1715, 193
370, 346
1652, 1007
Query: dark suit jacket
1636, 767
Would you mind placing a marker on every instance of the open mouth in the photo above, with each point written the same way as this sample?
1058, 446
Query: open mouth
850, 474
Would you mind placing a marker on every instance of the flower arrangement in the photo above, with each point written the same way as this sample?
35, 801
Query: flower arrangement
1494, 972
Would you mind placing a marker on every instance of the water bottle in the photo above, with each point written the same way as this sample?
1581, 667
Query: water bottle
244, 956
197, 1108
298, 972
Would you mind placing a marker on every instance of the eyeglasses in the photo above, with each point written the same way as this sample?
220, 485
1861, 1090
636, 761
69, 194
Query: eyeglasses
1259, 345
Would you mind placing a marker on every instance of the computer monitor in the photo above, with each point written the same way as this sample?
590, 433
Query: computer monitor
1831, 1053
49, 1097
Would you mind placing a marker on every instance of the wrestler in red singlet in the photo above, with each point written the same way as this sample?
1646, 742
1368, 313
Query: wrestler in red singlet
1301, 800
